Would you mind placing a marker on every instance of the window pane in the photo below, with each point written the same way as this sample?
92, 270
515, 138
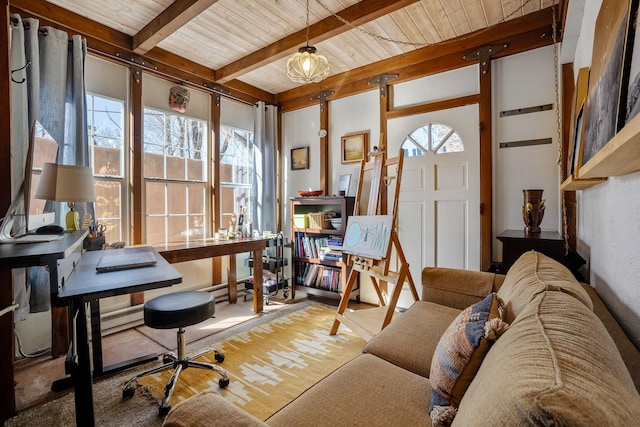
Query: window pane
236, 172
174, 146
177, 228
106, 132
433, 137
156, 230
155, 198
177, 199
106, 135
109, 209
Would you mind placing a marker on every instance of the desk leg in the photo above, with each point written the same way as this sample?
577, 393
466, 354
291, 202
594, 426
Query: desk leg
257, 281
232, 281
81, 374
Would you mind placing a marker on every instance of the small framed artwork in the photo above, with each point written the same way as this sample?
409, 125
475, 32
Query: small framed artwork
355, 147
343, 184
299, 158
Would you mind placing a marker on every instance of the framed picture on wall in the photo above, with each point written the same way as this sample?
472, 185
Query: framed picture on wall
606, 99
355, 147
300, 158
574, 153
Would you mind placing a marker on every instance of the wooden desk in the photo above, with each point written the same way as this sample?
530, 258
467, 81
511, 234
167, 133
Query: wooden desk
85, 285
59, 257
211, 248
517, 242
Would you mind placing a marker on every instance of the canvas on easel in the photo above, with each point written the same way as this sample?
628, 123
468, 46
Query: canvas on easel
370, 241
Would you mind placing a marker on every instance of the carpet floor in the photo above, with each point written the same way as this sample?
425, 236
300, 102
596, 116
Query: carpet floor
253, 371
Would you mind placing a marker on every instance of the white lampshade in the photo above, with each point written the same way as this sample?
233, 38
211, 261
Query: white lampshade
66, 183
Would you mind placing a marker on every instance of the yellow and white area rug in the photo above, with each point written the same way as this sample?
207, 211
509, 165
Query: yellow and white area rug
271, 364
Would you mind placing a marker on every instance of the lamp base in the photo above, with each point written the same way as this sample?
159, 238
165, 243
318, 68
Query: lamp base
73, 220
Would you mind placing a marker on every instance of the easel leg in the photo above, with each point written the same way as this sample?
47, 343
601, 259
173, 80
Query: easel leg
344, 301
402, 274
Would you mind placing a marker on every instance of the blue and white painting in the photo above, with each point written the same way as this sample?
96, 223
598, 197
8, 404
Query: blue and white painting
368, 235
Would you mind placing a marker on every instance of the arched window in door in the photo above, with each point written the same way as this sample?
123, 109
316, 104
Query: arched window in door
434, 137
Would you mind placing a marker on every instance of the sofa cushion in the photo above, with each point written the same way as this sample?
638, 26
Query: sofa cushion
366, 391
630, 354
532, 274
555, 365
459, 354
410, 340
457, 288
207, 409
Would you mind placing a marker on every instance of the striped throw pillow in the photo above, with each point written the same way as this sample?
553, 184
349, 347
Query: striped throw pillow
459, 355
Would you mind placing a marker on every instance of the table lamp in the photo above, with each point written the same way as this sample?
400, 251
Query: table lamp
67, 183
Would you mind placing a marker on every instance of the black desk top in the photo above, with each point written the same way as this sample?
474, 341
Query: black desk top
85, 283
521, 234
17, 255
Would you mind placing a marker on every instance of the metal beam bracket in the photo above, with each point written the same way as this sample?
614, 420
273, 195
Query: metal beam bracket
322, 97
483, 55
383, 80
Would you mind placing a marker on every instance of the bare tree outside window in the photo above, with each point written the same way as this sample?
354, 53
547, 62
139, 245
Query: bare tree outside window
105, 117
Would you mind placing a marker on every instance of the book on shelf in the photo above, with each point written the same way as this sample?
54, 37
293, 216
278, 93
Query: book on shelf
321, 277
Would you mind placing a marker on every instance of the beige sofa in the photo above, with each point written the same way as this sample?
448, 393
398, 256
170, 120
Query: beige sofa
563, 361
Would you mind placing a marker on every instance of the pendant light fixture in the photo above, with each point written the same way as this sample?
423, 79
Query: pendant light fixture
307, 66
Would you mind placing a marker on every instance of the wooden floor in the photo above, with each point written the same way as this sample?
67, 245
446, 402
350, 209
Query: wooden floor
34, 376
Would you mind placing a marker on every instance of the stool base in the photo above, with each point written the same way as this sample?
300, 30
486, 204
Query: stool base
178, 363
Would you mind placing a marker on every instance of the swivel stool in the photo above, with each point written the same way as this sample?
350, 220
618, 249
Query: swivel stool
178, 310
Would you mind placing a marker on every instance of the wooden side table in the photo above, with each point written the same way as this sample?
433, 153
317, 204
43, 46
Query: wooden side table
517, 242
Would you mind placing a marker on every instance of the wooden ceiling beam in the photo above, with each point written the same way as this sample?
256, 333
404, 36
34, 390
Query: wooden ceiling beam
358, 14
108, 42
419, 62
166, 23
357, 81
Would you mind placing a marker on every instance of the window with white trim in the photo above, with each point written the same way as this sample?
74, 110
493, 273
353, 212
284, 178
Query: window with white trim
236, 173
105, 121
175, 175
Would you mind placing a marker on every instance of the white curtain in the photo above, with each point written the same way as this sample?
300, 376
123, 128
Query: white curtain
48, 86
264, 187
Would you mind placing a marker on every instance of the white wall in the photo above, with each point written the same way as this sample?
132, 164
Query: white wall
521, 81
608, 230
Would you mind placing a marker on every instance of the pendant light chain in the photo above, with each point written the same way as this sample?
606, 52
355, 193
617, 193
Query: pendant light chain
307, 22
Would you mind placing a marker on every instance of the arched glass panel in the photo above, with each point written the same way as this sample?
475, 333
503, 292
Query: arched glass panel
434, 137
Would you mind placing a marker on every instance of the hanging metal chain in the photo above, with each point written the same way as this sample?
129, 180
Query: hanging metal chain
565, 224
556, 60
409, 43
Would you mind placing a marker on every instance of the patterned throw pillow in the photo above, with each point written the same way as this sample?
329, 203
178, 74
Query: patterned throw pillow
459, 355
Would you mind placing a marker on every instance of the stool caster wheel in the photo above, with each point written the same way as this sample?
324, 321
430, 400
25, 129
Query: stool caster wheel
219, 357
128, 392
223, 382
164, 410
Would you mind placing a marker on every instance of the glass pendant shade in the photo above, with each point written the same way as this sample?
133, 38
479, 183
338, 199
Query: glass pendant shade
307, 66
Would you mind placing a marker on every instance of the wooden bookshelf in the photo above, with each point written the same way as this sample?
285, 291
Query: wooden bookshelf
577, 184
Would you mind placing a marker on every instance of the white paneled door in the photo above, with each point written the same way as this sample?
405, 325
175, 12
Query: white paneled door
439, 203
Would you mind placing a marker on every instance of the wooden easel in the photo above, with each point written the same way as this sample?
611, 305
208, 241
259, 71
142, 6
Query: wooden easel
367, 323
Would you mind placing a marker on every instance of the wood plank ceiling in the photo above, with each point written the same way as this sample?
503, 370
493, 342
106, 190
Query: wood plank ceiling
250, 40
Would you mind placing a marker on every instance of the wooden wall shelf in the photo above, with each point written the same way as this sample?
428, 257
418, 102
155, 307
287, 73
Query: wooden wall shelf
620, 156
576, 184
